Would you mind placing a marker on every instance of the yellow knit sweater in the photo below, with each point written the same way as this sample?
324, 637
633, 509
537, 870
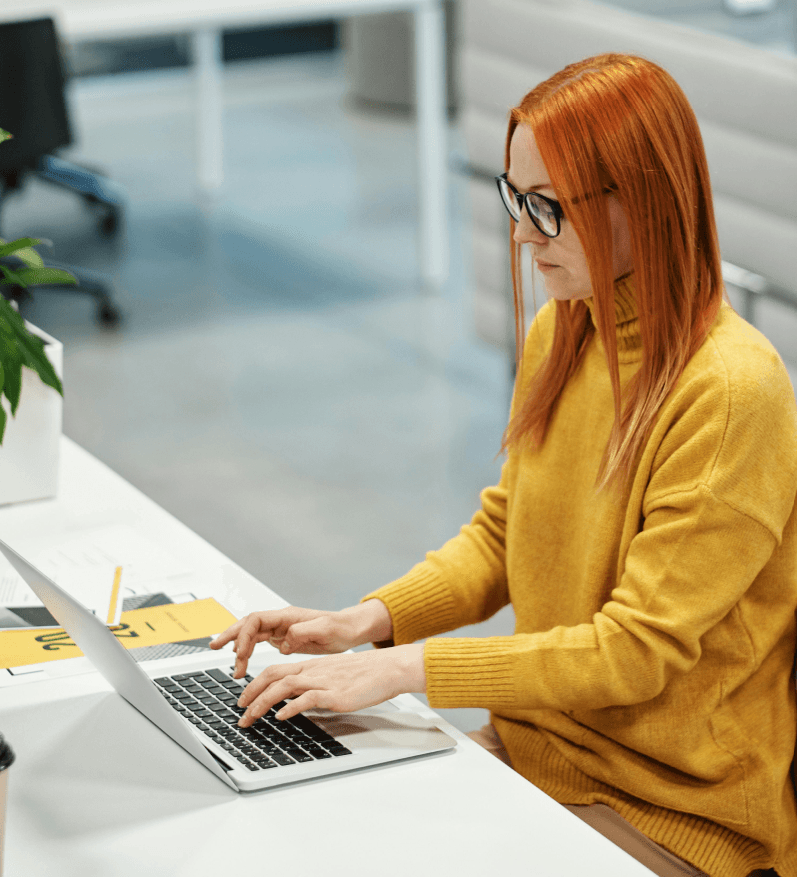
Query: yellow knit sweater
652, 660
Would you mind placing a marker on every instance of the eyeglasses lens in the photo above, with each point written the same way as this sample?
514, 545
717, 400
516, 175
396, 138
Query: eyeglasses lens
543, 213
510, 202
539, 210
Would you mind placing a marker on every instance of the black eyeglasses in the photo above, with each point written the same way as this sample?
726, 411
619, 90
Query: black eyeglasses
545, 213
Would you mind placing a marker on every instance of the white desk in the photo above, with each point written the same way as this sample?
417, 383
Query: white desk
146, 806
205, 20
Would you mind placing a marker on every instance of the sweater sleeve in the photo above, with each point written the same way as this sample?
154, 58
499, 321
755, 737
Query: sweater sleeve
687, 568
464, 582
721, 488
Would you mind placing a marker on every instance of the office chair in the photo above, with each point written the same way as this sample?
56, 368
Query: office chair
33, 109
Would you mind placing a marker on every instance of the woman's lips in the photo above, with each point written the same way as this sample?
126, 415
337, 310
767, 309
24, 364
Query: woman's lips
545, 266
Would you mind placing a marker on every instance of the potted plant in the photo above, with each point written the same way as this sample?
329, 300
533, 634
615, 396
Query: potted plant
21, 344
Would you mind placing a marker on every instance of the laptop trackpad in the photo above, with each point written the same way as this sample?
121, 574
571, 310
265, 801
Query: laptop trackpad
382, 726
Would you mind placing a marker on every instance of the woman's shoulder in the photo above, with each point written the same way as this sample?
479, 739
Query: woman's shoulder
739, 384
741, 359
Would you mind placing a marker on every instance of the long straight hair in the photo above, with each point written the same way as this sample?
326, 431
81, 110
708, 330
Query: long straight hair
622, 123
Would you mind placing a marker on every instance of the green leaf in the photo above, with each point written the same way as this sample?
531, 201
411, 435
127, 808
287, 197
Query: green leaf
6, 249
4, 135
9, 318
17, 348
11, 277
33, 355
43, 276
30, 257
12, 365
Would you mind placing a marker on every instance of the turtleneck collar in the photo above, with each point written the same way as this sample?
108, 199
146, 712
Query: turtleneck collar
629, 339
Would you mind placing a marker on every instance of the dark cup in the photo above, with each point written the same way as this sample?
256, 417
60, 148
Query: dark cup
6, 760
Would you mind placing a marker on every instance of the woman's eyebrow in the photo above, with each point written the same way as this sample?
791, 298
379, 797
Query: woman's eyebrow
530, 188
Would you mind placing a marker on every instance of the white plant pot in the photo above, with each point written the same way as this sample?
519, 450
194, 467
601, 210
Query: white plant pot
29, 454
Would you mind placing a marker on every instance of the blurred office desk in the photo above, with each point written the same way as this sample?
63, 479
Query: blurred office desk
96, 789
206, 19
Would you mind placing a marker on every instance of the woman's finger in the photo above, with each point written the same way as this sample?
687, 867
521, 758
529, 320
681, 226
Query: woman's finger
310, 637
251, 632
288, 686
313, 698
231, 633
263, 680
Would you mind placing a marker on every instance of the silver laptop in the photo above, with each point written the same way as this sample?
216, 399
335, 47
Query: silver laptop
195, 705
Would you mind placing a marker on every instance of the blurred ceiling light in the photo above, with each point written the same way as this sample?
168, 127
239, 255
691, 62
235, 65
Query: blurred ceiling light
748, 7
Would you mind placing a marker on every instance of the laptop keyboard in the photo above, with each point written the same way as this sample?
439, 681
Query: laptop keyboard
209, 700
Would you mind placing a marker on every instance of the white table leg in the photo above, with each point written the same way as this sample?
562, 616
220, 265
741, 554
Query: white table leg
209, 70
431, 96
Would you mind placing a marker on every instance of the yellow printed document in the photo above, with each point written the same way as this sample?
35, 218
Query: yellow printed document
192, 623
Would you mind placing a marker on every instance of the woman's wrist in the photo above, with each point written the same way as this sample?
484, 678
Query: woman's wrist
413, 667
373, 621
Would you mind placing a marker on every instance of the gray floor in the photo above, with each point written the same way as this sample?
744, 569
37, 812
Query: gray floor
282, 383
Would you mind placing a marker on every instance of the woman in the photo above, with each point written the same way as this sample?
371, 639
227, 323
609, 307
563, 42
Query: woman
644, 526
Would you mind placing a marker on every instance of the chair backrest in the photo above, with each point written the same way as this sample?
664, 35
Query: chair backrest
32, 101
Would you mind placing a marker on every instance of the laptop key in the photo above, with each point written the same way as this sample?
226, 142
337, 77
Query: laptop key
318, 752
264, 763
298, 755
281, 758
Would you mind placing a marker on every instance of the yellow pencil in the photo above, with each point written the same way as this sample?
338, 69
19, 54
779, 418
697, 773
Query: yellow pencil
117, 579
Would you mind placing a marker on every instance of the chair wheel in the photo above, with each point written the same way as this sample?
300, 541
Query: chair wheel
108, 315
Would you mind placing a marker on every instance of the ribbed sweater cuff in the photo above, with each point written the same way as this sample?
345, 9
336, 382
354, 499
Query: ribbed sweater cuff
470, 672
419, 603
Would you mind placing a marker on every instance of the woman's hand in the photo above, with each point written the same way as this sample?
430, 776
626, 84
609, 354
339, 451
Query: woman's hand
309, 631
342, 683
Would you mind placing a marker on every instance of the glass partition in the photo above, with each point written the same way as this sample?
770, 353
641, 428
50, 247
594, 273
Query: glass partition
769, 24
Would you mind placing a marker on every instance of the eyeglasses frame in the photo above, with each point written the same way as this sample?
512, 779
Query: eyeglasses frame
521, 198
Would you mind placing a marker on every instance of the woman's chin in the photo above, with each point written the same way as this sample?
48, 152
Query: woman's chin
563, 291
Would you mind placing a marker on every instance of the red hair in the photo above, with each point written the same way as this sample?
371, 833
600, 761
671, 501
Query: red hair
623, 123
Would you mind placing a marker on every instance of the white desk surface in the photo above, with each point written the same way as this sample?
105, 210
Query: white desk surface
97, 19
96, 789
